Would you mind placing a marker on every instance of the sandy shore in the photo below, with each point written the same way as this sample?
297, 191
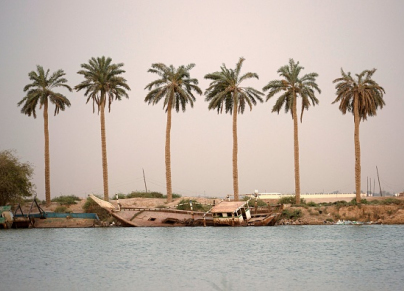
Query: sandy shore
384, 214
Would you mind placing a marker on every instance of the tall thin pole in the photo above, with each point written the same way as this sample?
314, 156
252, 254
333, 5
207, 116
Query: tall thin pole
144, 179
374, 185
379, 181
367, 186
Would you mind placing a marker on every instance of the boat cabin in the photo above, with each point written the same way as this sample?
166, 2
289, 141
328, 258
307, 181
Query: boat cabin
231, 213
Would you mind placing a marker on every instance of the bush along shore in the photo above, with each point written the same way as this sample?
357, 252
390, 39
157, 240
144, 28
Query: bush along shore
376, 210
379, 211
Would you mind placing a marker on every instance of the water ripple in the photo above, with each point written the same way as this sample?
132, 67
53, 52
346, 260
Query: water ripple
283, 258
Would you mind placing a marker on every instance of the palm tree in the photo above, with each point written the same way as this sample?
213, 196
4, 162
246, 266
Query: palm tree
175, 86
225, 92
294, 86
103, 83
361, 96
41, 91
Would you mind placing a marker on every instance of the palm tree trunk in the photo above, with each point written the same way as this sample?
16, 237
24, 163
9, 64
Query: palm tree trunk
168, 154
104, 151
235, 148
47, 157
357, 150
296, 147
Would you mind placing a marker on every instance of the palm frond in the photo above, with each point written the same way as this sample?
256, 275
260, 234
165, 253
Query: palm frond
103, 80
224, 90
303, 87
369, 93
175, 86
40, 91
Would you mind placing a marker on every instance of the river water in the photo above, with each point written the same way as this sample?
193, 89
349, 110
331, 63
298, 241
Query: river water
242, 258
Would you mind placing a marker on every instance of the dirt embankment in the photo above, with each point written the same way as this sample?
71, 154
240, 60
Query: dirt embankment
377, 214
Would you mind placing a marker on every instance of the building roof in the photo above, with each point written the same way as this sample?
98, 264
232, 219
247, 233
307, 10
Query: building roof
228, 206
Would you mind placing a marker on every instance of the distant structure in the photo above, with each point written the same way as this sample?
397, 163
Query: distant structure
399, 194
275, 195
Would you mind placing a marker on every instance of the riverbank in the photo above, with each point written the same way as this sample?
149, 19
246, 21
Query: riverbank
311, 213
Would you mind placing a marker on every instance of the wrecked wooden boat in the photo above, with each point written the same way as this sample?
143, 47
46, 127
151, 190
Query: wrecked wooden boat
157, 217
226, 213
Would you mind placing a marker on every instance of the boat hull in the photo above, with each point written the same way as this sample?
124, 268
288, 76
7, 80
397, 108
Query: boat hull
138, 217
64, 220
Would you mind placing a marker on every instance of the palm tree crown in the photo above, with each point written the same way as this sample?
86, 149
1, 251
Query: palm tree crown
174, 85
102, 81
292, 83
225, 90
369, 93
41, 90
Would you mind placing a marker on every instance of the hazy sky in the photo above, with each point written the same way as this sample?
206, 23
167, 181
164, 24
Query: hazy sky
322, 35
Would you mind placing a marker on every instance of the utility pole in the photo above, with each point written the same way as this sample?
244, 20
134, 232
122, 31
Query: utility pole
367, 186
144, 179
379, 182
374, 184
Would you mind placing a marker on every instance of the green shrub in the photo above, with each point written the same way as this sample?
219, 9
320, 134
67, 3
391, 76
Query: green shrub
353, 201
251, 203
389, 201
91, 207
142, 194
175, 196
290, 200
311, 204
196, 206
138, 194
40, 202
120, 196
291, 214
66, 200
337, 204
287, 200
62, 209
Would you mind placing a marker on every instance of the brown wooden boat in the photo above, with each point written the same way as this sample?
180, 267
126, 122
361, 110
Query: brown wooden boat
153, 217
